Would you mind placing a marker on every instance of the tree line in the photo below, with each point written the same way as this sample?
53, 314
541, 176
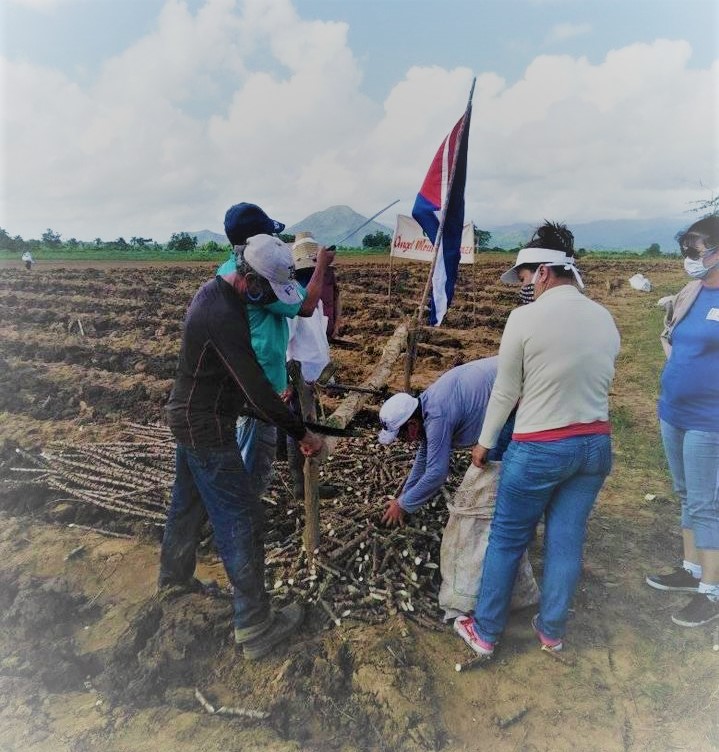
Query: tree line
184, 243
180, 242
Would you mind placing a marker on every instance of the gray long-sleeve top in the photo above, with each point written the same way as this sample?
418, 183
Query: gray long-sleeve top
453, 411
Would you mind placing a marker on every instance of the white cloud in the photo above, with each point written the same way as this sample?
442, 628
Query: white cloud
562, 32
256, 103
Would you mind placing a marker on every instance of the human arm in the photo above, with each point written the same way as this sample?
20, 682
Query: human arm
314, 287
431, 466
229, 335
394, 513
337, 310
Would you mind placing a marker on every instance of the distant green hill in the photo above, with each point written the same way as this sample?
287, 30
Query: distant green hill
327, 226
603, 235
332, 224
205, 236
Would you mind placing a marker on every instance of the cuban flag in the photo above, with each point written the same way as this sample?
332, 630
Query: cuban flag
444, 188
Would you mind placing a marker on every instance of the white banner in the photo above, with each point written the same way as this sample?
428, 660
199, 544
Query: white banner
410, 242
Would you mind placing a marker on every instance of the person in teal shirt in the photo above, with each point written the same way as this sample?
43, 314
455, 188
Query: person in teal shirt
269, 334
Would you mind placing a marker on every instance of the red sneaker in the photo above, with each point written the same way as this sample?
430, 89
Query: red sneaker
464, 626
548, 643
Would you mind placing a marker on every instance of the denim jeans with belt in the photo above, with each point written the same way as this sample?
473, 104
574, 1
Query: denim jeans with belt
215, 483
693, 458
560, 480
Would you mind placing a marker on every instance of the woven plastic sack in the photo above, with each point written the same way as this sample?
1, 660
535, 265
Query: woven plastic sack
464, 543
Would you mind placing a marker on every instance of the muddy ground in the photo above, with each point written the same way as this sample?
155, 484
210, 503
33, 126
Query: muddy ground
91, 659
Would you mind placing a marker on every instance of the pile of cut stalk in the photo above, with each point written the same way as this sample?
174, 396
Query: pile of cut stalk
361, 570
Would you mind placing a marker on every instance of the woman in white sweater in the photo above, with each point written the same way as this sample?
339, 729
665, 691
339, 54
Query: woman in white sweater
556, 361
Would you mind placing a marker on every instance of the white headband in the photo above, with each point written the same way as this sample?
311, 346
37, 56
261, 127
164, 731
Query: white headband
545, 256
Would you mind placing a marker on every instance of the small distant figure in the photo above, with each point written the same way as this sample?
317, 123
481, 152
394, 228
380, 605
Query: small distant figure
27, 259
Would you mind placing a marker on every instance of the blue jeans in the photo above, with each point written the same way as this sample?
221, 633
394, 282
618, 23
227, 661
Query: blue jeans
693, 458
560, 480
214, 483
257, 441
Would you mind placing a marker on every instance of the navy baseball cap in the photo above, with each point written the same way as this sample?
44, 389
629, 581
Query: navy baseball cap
244, 220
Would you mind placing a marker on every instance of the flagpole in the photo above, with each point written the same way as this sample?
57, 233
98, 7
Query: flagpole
389, 286
474, 275
414, 322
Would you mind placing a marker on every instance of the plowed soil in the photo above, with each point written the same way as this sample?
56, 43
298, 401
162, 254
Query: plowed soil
92, 659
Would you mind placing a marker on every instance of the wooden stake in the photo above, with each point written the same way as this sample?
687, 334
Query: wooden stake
389, 286
340, 418
312, 507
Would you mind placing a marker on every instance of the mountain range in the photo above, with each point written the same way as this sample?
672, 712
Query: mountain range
331, 225
327, 227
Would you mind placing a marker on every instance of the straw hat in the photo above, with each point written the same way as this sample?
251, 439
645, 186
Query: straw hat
304, 251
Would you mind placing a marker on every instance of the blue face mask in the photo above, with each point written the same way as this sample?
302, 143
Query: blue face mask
696, 267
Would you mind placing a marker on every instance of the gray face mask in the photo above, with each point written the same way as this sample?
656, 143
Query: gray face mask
695, 267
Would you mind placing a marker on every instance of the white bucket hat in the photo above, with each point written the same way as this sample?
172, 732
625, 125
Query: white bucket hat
272, 259
546, 256
395, 412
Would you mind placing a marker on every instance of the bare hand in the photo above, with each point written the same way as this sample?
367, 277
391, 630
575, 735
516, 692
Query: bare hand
287, 395
393, 514
479, 456
325, 256
311, 444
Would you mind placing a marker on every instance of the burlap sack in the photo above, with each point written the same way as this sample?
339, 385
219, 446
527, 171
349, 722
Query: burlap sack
464, 543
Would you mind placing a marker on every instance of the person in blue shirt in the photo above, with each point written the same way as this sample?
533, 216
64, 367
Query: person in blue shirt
688, 411
447, 415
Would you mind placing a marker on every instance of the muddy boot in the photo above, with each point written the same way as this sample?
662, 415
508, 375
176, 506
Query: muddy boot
286, 620
207, 587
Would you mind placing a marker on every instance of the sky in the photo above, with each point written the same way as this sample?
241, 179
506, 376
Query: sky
148, 117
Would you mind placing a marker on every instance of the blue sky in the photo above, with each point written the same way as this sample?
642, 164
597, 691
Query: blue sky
145, 117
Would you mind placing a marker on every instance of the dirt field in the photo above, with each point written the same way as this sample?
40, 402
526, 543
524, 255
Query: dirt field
90, 659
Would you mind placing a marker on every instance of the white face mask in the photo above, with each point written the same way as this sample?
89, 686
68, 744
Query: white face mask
695, 267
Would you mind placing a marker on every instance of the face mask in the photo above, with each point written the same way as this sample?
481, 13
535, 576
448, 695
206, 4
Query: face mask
695, 267
526, 292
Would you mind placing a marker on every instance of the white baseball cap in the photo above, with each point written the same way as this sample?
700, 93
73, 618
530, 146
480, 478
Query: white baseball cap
395, 412
272, 259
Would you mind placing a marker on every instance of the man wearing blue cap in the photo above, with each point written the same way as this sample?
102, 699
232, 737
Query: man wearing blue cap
218, 378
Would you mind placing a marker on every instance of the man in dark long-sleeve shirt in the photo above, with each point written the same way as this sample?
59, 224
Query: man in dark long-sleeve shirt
218, 377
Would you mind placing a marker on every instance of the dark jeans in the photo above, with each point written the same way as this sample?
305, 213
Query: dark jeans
214, 482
